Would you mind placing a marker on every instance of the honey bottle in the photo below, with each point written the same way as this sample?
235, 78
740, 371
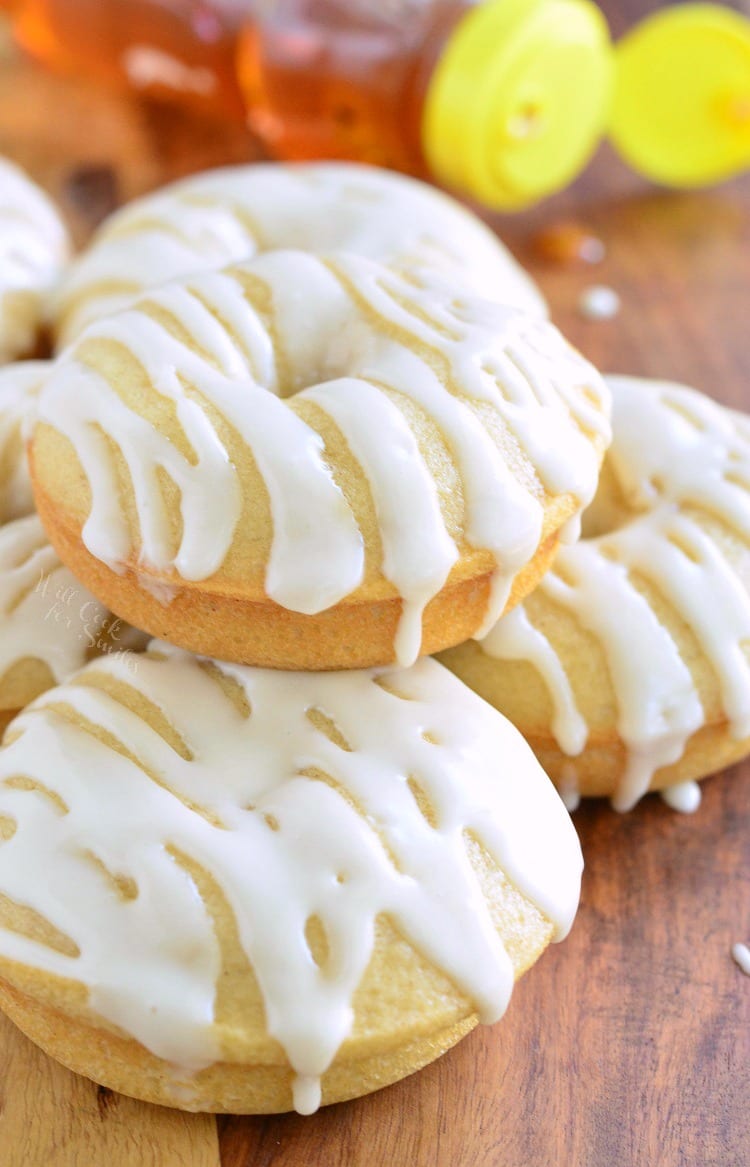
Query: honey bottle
182, 49
503, 101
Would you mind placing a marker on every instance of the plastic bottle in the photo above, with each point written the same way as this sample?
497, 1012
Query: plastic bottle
681, 110
169, 48
503, 100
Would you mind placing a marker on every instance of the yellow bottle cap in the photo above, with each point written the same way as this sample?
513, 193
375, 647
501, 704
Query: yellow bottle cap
681, 112
519, 99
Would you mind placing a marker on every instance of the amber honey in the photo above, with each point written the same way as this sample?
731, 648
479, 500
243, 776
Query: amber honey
503, 100
331, 79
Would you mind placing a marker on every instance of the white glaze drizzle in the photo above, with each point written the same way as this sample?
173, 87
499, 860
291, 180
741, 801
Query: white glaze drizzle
45, 614
674, 452
405, 497
33, 248
515, 638
741, 956
281, 845
351, 324
223, 216
19, 386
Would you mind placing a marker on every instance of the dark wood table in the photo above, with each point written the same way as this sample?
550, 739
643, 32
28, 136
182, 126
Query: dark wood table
629, 1045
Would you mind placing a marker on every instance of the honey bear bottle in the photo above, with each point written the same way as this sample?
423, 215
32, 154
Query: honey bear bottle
503, 101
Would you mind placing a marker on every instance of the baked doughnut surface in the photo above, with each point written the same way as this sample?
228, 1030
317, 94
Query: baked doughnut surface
307, 462
223, 216
33, 248
627, 670
270, 889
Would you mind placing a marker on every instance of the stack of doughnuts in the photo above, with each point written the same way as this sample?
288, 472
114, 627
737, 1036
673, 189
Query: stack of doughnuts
321, 446
306, 426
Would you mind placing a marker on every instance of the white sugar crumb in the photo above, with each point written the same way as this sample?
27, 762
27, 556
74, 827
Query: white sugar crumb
599, 303
741, 954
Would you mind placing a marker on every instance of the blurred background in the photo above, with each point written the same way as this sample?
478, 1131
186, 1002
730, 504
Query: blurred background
608, 144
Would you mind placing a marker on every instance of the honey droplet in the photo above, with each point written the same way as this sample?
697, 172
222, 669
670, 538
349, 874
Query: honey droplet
568, 242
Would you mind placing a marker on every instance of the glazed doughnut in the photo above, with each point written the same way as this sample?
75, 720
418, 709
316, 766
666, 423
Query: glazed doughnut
33, 249
235, 889
309, 462
218, 218
628, 669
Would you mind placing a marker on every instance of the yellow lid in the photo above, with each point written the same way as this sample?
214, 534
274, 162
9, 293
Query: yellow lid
681, 111
519, 99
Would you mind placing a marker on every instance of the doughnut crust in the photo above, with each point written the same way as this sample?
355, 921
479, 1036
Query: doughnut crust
271, 889
308, 462
33, 248
220, 217
627, 670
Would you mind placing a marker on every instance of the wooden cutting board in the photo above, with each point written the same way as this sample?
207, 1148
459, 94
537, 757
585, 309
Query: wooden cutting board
629, 1045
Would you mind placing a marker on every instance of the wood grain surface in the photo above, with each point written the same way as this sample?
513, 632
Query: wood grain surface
629, 1044
53, 1117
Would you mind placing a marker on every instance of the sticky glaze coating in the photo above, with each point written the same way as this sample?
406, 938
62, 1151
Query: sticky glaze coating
241, 889
314, 462
628, 668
